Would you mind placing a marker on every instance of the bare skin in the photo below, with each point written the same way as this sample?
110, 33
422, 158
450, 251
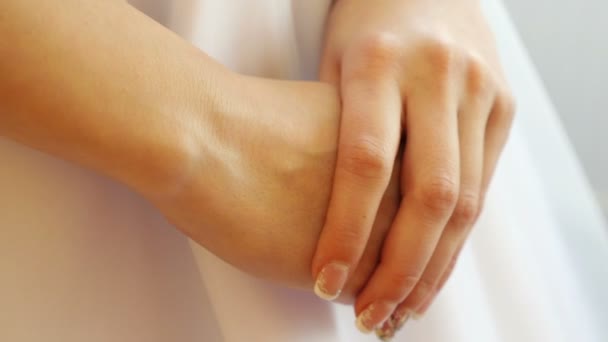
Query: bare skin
248, 167
428, 71
242, 165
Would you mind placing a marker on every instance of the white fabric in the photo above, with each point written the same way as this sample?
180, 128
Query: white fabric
84, 259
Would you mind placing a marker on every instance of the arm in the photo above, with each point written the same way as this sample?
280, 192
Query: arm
93, 82
241, 165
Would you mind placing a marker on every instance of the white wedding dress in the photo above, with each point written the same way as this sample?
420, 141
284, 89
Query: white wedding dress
82, 258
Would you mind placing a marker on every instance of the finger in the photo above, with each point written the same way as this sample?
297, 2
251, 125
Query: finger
329, 70
368, 142
471, 131
402, 315
497, 133
421, 311
431, 177
450, 269
424, 307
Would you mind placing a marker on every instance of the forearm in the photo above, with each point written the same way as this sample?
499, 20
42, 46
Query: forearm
99, 83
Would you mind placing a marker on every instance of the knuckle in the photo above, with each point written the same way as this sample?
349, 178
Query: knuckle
423, 289
506, 107
346, 239
373, 57
367, 159
439, 195
379, 49
478, 80
440, 53
466, 210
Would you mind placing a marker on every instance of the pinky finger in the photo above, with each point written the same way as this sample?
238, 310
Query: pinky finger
442, 281
401, 315
497, 133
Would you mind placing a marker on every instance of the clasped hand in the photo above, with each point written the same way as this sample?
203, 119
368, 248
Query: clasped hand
289, 161
427, 74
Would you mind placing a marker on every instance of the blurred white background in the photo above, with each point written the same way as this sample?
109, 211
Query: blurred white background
568, 43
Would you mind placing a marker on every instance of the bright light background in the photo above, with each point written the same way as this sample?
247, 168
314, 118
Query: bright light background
568, 42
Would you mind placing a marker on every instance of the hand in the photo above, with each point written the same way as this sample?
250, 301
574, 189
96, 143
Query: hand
258, 197
428, 70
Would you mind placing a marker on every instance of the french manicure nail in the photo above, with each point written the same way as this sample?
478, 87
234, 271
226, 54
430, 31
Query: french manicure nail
363, 320
331, 280
399, 319
374, 315
392, 326
387, 331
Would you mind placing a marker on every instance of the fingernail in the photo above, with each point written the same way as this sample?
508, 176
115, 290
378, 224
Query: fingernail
399, 319
392, 325
331, 280
387, 331
363, 320
372, 316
